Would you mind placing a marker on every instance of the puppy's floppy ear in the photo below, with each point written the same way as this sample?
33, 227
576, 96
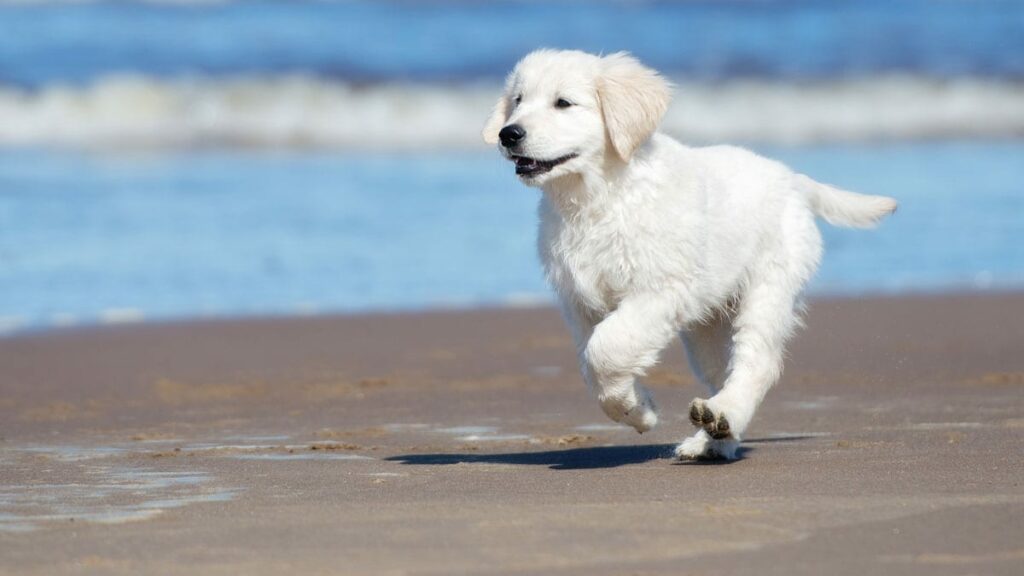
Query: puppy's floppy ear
633, 100
496, 121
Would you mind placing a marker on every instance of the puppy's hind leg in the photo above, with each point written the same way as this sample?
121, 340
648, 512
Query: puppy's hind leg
765, 320
708, 349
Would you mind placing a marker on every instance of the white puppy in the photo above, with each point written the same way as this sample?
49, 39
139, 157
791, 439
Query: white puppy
644, 239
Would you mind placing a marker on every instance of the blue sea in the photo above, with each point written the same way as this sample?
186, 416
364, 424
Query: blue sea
182, 159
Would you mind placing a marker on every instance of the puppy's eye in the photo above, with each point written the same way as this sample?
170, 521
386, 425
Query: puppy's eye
519, 98
562, 103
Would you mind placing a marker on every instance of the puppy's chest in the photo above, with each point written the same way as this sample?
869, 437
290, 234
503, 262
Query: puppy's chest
595, 266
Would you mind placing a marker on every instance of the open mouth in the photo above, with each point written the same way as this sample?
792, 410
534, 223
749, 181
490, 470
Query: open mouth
526, 166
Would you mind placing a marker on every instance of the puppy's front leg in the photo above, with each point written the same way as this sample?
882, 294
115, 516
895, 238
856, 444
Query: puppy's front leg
581, 324
622, 347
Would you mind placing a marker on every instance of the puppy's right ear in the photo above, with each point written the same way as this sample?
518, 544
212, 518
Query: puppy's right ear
496, 121
633, 100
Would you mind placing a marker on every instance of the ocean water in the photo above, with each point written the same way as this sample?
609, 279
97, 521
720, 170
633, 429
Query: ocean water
451, 40
90, 237
412, 75
186, 158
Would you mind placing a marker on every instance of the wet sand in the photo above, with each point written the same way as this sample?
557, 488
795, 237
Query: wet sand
464, 442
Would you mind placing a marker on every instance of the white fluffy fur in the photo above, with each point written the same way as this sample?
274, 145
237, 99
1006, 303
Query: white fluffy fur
645, 239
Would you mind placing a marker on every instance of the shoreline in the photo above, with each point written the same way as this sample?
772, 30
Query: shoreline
130, 317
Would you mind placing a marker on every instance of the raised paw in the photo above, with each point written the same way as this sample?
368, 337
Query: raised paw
635, 408
714, 423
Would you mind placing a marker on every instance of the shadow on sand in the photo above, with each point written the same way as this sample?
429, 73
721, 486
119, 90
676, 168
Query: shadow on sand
571, 459
581, 458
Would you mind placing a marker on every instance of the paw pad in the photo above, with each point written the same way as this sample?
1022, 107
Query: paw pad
702, 416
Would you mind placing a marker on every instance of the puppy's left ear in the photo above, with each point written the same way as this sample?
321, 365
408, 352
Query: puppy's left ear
496, 121
633, 100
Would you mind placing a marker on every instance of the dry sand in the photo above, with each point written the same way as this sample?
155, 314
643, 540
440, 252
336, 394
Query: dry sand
464, 443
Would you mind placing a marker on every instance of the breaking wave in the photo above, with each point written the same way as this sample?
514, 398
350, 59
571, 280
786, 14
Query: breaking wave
305, 111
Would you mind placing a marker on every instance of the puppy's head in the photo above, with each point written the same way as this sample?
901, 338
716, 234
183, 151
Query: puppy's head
565, 111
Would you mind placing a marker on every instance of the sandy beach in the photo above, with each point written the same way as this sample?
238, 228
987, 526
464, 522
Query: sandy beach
465, 443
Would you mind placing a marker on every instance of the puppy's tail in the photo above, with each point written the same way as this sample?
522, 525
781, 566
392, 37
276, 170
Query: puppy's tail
842, 208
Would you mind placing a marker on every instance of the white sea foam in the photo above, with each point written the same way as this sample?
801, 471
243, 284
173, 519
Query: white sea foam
304, 111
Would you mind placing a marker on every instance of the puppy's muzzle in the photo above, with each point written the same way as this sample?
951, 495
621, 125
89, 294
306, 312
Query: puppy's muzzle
511, 135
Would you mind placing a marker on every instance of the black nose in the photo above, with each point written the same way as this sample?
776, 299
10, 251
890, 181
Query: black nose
511, 135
